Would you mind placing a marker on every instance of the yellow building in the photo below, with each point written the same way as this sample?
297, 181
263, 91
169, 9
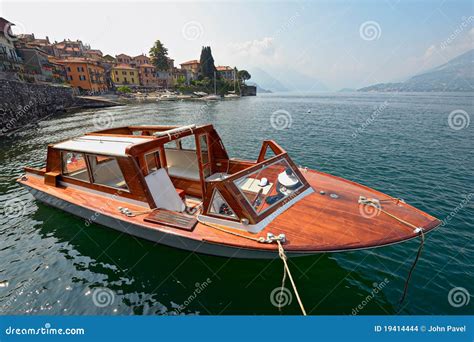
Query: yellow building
123, 74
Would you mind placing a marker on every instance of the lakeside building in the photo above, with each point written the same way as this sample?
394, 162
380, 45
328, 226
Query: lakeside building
37, 67
192, 69
147, 75
164, 78
58, 70
84, 74
31, 41
123, 59
192, 66
139, 60
180, 74
226, 72
93, 54
25, 57
68, 48
123, 74
11, 65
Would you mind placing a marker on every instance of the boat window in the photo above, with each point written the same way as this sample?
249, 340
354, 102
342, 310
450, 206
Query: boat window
188, 143
74, 166
219, 206
106, 171
269, 185
204, 148
174, 144
137, 133
152, 161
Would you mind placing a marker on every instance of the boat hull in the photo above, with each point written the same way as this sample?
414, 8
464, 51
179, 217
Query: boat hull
150, 234
317, 223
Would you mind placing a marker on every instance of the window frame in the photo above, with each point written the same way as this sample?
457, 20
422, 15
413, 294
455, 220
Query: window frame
74, 178
157, 160
245, 203
276, 204
91, 175
222, 216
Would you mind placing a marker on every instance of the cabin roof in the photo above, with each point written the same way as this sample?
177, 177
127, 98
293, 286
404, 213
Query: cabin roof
116, 146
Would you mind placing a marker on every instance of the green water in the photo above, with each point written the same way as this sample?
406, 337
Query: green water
51, 263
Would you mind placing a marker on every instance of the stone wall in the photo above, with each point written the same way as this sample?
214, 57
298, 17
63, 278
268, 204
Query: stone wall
25, 103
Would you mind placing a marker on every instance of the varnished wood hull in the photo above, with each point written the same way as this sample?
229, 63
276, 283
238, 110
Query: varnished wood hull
317, 223
155, 235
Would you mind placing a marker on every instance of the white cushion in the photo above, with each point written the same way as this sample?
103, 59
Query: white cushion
163, 191
182, 164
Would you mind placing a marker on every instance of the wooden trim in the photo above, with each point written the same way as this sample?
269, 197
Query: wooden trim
39, 172
98, 187
277, 149
119, 135
236, 193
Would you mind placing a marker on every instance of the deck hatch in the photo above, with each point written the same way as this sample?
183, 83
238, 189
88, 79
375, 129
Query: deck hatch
172, 219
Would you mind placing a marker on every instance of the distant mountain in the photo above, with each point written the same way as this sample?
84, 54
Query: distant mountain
455, 75
290, 80
297, 81
265, 80
346, 90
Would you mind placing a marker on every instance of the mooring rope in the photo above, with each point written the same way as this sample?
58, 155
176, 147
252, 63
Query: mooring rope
376, 204
283, 257
422, 236
281, 253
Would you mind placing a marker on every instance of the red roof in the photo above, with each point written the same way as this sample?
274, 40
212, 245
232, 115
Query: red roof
123, 66
224, 68
194, 61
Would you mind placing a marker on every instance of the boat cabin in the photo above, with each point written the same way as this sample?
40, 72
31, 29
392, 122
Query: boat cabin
180, 169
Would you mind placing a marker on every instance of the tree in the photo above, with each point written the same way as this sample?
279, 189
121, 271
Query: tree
243, 75
206, 63
124, 89
159, 56
181, 80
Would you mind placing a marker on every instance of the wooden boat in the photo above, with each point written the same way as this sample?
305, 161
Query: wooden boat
178, 187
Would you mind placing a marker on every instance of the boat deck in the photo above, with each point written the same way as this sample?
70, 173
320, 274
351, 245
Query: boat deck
317, 223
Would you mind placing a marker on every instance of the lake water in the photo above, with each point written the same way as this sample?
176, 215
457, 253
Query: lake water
401, 144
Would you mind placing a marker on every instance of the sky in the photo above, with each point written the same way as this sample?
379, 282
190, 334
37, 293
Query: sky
341, 44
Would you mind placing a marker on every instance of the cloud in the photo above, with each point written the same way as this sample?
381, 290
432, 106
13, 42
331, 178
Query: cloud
255, 48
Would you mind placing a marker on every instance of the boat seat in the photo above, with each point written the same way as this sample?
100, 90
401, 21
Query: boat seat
182, 164
163, 191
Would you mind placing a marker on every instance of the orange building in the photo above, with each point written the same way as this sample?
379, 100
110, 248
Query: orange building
147, 75
192, 66
84, 74
139, 60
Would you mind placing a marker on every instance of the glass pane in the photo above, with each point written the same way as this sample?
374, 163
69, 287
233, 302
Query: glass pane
106, 171
188, 143
204, 150
172, 145
219, 206
269, 186
152, 161
74, 165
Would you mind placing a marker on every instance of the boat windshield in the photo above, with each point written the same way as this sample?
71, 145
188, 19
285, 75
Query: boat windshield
270, 185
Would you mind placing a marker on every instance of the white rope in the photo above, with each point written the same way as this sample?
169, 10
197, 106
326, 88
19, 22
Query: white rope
281, 253
283, 257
